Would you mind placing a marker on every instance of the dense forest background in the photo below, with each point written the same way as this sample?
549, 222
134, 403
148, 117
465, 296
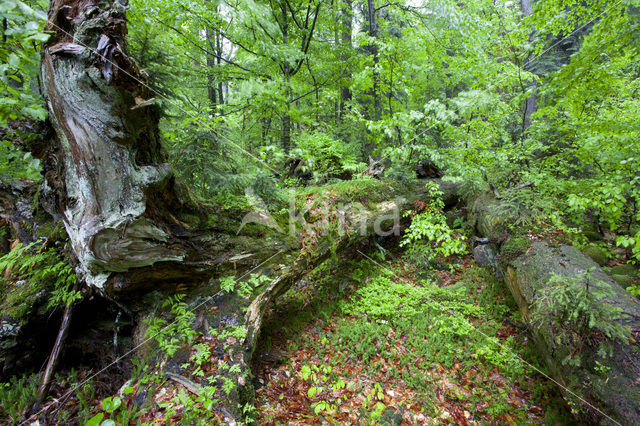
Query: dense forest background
266, 104
496, 94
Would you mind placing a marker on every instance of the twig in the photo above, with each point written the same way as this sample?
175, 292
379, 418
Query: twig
45, 383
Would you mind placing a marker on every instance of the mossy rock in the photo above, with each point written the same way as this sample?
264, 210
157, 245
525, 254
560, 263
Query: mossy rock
20, 298
597, 254
624, 269
624, 280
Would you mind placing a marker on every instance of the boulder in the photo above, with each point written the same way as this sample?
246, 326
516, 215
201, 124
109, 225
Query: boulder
486, 256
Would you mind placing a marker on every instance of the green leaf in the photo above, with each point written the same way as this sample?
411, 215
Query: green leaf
95, 420
111, 404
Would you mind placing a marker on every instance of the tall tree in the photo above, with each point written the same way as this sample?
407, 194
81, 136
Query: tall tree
373, 48
531, 103
347, 29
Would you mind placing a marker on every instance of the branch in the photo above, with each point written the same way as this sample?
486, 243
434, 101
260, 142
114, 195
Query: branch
208, 52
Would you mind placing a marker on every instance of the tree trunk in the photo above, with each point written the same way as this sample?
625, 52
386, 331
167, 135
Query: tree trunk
211, 64
285, 137
608, 383
347, 28
531, 103
373, 33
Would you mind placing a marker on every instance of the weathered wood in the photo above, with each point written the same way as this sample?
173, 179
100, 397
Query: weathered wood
45, 382
614, 387
112, 181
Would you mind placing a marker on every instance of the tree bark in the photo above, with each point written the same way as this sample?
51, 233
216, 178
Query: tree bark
531, 103
373, 33
211, 64
608, 383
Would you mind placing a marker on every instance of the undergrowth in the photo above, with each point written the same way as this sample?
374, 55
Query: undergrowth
444, 349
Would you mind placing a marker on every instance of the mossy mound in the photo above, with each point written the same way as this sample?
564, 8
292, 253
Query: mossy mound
624, 269
624, 280
597, 254
514, 247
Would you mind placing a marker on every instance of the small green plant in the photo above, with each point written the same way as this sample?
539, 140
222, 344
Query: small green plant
109, 407
243, 288
429, 235
373, 401
17, 395
631, 243
171, 335
574, 308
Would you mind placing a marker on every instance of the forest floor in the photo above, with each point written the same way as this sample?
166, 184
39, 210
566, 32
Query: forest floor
374, 336
373, 339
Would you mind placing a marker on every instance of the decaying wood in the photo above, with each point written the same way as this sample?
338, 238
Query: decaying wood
192, 387
614, 387
45, 382
376, 168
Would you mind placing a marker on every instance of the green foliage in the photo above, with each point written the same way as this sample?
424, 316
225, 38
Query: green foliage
524, 207
23, 22
575, 309
15, 164
434, 320
29, 270
17, 396
430, 224
244, 287
171, 334
326, 156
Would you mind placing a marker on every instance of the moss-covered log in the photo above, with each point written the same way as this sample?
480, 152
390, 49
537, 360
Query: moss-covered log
131, 226
531, 268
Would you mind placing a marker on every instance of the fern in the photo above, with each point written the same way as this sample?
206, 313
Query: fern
35, 268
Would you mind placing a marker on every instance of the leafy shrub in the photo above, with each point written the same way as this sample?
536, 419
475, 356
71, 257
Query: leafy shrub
20, 61
15, 164
171, 335
429, 235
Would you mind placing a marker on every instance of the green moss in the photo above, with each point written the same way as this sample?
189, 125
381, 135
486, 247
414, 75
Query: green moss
624, 280
20, 298
625, 269
368, 190
514, 247
598, 254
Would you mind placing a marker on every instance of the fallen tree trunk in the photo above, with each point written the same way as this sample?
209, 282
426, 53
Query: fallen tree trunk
134, 229
604, 385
